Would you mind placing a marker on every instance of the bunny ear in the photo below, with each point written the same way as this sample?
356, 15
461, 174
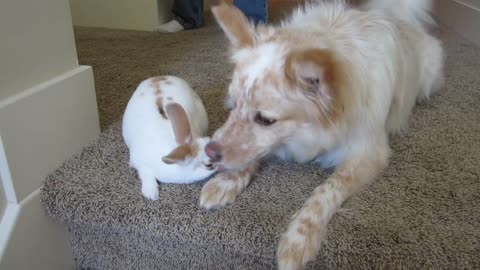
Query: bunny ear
178, 154
180, 124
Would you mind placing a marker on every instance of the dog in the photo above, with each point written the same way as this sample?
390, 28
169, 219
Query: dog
329, 84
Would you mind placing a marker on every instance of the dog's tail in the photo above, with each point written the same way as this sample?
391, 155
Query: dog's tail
412, 11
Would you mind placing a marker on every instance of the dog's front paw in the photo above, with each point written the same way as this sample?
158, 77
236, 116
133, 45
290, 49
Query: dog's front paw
222, 190
300, 244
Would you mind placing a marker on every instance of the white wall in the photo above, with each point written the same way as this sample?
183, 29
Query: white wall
122, 14
48, 112
473, 3
164, 11
35, 242
462, 16
42, 126
34, 47
46, 100
207, 4
3, 200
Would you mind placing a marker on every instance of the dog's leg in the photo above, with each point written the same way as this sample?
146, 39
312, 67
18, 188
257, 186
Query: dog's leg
301, 242
224, 188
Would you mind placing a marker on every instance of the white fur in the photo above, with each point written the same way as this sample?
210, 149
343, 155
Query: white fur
150, 137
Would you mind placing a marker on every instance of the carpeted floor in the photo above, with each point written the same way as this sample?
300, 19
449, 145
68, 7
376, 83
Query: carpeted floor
423, 213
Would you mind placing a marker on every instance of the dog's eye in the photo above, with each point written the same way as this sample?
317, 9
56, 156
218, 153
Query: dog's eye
264, 121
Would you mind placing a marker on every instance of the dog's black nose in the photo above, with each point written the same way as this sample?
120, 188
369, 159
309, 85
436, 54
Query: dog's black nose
214, 151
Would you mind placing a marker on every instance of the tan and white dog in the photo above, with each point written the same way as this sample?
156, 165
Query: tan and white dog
329, 84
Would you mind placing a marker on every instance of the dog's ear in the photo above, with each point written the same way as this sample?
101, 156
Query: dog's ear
317, 72
234, 24
319, 75
312, 68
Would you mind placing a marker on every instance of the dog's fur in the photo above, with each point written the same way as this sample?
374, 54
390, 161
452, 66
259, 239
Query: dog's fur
329, 84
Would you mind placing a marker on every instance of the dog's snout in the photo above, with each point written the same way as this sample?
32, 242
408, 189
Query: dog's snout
214, 151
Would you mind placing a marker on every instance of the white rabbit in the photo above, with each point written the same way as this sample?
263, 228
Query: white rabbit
164, 127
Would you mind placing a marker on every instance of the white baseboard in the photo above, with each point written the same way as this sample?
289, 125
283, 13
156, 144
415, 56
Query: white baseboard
462, 16
42, 126
29, 239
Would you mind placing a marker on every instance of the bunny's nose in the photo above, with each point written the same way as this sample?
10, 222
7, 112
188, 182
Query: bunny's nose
214, 151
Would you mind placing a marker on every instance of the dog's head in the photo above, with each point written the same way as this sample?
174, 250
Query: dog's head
278, 88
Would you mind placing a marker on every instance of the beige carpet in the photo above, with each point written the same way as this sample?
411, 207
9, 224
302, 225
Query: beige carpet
423, 213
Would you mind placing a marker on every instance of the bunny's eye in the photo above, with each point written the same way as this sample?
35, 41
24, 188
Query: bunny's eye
209, 166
